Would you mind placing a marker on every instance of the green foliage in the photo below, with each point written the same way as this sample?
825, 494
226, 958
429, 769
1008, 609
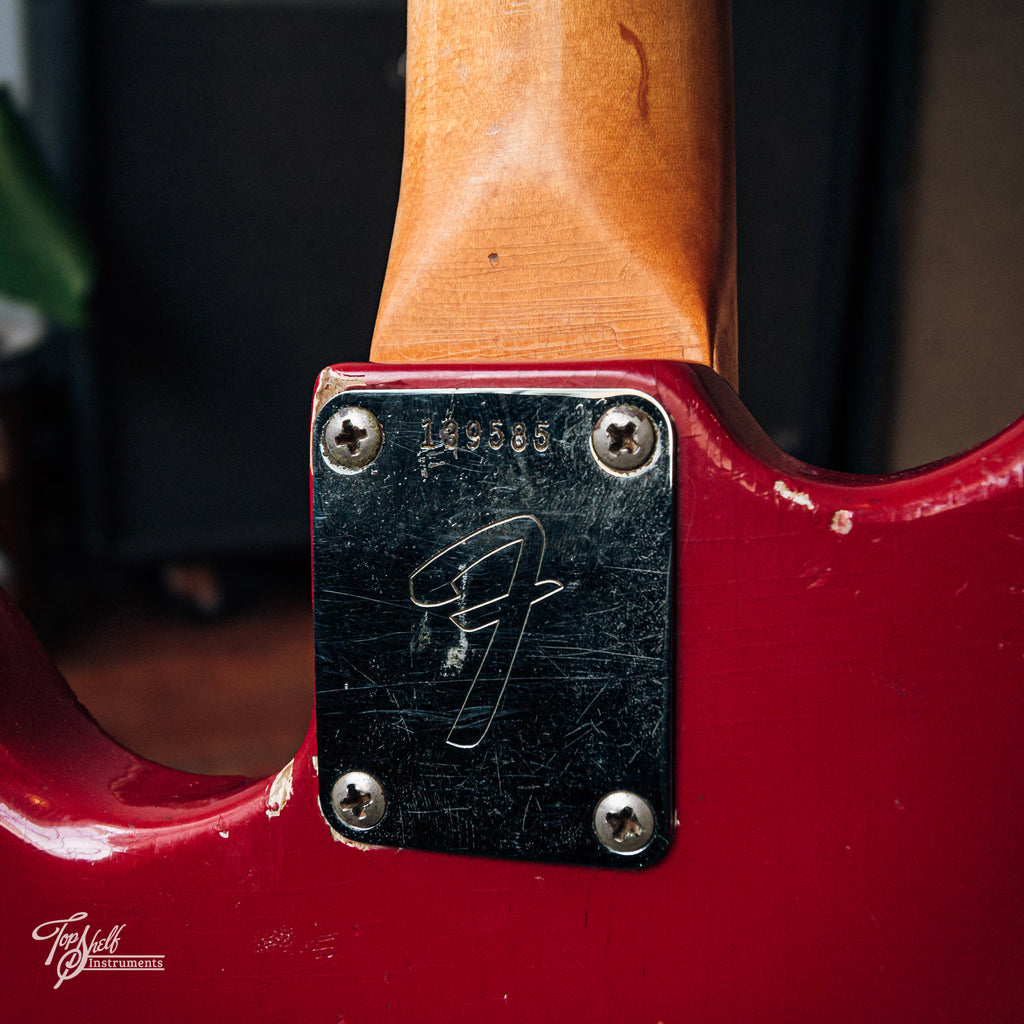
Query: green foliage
44, 258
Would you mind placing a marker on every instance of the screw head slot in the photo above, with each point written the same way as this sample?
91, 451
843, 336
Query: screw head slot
623, 439
624, 822
351, 439
358, 800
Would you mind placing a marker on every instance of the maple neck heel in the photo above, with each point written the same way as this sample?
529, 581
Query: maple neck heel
567, 188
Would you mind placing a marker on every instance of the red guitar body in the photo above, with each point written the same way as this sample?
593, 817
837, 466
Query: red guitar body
849, 725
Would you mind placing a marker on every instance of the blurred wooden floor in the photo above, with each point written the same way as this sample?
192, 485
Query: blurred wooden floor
229, 696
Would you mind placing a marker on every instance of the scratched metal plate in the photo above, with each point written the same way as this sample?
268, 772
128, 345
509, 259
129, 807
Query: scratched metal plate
492, 612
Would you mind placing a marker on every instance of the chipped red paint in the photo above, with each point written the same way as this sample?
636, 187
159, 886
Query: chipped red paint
850, 724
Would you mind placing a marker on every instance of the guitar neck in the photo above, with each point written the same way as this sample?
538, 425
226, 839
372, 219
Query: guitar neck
568, 186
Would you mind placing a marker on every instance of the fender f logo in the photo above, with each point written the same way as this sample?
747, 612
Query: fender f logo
515, 548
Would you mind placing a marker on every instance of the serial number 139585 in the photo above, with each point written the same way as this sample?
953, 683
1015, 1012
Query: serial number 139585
493, 434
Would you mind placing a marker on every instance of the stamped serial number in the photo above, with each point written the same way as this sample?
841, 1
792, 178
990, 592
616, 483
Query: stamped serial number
494, 434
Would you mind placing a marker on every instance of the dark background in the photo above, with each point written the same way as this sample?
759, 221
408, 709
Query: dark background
237, 166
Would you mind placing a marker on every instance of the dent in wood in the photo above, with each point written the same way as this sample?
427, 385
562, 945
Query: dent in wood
641, 92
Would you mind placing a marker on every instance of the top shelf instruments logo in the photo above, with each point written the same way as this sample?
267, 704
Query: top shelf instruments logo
76, 947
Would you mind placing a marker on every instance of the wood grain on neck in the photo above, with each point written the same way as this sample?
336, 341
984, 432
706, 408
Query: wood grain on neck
567, 190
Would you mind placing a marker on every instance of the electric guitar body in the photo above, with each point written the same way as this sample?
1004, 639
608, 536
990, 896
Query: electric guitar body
622, 713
